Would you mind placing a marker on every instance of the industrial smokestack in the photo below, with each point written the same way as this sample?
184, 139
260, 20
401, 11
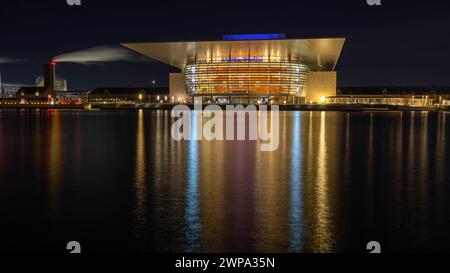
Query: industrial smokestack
49, 76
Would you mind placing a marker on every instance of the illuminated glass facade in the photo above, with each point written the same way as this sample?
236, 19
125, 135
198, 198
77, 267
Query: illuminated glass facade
250, 76
250, 68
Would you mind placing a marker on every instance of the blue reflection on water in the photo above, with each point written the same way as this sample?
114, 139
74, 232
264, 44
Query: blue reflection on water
296, 219
192, 227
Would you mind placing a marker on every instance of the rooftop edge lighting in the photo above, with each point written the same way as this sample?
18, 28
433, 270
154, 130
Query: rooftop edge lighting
244, 37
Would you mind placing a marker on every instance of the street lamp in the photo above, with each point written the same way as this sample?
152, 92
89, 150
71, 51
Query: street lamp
153, 85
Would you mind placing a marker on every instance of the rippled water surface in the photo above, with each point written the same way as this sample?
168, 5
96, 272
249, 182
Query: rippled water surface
117, 182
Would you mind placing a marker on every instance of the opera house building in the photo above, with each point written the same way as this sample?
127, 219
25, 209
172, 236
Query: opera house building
266, 68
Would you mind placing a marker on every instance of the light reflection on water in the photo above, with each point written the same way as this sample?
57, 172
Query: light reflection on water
140, 210
55, 162
322, 229
296, 186
118, 180
192, 227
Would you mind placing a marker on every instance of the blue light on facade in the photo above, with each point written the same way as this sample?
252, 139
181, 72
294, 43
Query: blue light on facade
245, 37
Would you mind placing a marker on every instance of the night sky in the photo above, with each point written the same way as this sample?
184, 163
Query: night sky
399, 43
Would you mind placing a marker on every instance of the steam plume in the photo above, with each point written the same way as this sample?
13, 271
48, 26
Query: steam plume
101, 54
4, 60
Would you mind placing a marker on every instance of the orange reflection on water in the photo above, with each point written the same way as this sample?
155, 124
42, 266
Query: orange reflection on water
37, 138
322, 239
317, 205
273, 182
423, 163
2, 166
271, 196
440, 159
55, 159
139, 178
370, 156
213, 169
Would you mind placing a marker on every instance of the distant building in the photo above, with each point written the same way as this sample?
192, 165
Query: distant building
393, 95
60, 83
71, 97
130, 95
393, 90
41, 93
9, 90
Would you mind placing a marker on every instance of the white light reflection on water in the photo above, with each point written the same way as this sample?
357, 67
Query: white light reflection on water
192, 228
296, 176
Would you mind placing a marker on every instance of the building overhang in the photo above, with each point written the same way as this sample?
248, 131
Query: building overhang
318, 54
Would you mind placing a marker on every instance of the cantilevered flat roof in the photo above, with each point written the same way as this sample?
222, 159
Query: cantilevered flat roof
316, 53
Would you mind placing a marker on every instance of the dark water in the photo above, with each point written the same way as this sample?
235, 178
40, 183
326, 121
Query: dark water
116, 182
